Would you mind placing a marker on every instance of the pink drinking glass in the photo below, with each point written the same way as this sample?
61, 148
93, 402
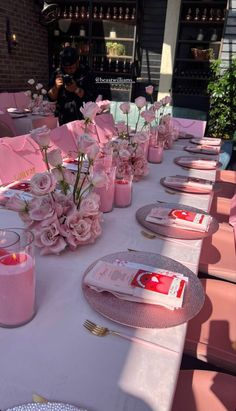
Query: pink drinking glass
17, 277
155, 153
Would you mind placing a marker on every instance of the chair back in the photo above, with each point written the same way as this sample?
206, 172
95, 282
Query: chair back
190, 126
22, 100
7, 100
50, 122
7, 125
20, 158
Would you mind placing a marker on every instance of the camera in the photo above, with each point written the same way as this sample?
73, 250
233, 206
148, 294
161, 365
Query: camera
67, 78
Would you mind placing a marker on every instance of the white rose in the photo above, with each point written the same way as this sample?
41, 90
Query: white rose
31, 81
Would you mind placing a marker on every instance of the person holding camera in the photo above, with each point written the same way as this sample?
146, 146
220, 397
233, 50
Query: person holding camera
72, 84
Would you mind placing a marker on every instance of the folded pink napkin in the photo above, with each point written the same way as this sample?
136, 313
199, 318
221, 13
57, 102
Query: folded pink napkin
184, 219
207, 140
191, 182
204, 148
138, 283
198, 161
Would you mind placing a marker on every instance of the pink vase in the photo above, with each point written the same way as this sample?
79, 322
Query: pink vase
107, 193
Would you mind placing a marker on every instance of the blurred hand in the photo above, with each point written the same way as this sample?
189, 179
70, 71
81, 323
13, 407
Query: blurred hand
58, 81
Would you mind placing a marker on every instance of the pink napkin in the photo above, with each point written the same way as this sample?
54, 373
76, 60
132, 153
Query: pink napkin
192, 182
198, 161
207, 140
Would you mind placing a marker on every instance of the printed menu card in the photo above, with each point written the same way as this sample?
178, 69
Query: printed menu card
184, 219
148, 285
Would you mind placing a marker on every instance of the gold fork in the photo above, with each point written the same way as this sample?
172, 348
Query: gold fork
101, 331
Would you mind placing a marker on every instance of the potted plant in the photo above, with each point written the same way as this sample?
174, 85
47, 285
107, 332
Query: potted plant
115, 49
222, 92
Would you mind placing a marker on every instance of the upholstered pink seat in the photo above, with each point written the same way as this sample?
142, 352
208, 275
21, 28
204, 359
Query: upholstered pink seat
199, 390
211, 335
220, 208
218, 255
226, 176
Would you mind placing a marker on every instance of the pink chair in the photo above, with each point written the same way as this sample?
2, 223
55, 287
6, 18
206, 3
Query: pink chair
190, 126
7, 100
199, 390
22, 101
7, 127
226, 176
221, 203
211, 335
50, 122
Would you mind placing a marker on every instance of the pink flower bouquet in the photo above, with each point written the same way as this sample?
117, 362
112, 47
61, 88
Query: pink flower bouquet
64, 210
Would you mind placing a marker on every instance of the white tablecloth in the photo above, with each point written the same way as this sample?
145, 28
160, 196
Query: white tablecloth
56, 357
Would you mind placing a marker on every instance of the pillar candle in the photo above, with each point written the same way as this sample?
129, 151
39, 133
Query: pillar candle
155, 154
17, 289
123, 192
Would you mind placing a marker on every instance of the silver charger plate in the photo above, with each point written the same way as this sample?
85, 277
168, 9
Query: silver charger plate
140, 315
175, 232
48, 406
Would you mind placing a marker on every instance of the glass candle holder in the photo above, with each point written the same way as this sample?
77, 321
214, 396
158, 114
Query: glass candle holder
123, 191
107, 193
103, 161
155, 154
17, 277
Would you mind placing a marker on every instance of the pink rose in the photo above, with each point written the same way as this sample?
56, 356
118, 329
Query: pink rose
121, 127
54, 157
99, 179
96, 229
42, 183
49, 239
89, 205
149, 90
166, 100
124, 154
125, 107
41, 208
90, 110
64, 175
92, 151
41, 136
140, 102
140, 166
16, 203
157, 105
84, 141
148, 116
77, 230
64, 204
103, 104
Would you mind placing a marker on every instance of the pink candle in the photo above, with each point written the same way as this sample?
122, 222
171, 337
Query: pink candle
155, 154
17, 289
123, 192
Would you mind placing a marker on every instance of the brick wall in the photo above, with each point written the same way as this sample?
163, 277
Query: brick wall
30, 58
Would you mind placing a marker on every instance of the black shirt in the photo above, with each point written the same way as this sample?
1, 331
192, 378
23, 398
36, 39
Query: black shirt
68, 104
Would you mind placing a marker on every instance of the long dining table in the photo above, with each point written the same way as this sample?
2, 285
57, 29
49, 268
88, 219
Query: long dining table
57, 358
